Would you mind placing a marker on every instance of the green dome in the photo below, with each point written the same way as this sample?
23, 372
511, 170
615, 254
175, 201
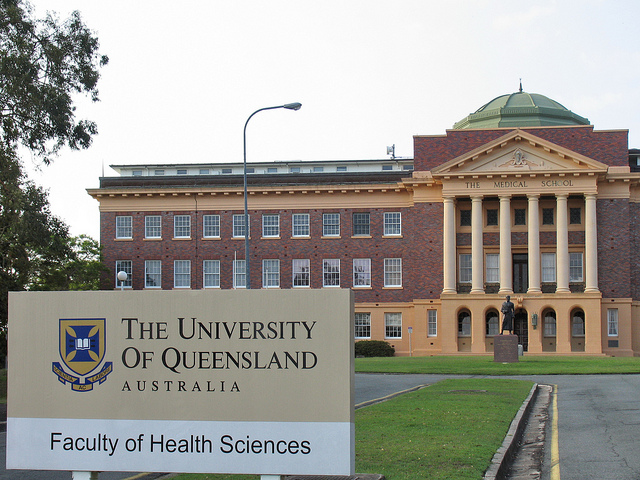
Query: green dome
520, 109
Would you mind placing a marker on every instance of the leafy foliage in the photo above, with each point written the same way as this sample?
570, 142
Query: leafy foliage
42, 64
374, 348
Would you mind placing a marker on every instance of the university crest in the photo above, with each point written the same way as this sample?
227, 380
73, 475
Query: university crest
82, 348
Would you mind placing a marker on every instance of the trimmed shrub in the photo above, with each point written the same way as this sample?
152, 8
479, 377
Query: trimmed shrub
374, 348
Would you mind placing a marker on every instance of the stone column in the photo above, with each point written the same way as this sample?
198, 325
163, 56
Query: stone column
477, 244
533, 230
449, 246
562, 244
506, 264
590, 244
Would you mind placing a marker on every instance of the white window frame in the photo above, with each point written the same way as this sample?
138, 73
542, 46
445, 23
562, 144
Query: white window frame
271, 225
270, 273
153, 226
331, 272
127, 267
361, 272
492, 267
392, 224
612, 322
182, 274
393, 325
361, 229
211, 273
153, 274
301, 277
239, 274
362, 325
432, 323
576, 267
124, 226
492, 328
550, 328
211, 226
330, 228
464, 268
548, 267
581, 324
393, 272
464, 327
182, 226
239, 229
300, 226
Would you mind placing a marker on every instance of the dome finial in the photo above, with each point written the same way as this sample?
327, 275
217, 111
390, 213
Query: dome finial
520, 85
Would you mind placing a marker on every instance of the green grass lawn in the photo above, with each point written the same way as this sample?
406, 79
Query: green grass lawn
484, 365
445, 431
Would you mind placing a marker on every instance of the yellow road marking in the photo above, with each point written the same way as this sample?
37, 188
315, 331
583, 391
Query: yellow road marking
555, 450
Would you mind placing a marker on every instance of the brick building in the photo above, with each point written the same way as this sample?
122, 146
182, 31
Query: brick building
522, 198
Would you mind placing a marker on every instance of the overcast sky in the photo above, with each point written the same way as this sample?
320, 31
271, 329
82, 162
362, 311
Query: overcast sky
184, 76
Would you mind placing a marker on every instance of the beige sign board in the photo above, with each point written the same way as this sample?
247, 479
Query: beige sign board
257, 382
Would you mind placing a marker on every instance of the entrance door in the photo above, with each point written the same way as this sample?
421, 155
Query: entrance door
521, 328
520, 273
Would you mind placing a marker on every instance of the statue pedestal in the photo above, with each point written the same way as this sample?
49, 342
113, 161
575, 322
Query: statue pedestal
505, 348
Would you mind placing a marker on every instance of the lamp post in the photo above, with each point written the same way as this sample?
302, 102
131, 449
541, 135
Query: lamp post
288, 106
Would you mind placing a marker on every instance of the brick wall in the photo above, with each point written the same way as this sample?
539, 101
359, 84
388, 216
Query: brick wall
614, 248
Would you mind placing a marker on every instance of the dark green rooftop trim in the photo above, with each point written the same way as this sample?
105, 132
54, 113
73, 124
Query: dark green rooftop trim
521, 109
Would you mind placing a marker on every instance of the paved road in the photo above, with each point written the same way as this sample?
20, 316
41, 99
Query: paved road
598, 425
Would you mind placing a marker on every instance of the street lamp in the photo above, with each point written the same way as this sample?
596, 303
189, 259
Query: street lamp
288, 106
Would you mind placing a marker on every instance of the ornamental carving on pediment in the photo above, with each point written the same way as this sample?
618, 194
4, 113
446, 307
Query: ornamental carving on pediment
520, 160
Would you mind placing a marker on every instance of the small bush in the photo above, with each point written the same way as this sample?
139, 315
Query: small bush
374, 348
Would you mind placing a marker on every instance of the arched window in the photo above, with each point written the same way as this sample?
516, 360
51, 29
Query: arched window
577, 323
550, 323
464, 324
492, 322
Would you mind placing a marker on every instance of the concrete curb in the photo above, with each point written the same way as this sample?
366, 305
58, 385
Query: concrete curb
503, 457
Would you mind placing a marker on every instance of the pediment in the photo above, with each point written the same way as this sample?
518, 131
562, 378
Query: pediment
518, 153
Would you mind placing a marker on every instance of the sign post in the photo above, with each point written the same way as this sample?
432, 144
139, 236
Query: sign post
176, 381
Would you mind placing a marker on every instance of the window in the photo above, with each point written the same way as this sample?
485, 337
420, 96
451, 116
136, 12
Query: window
301, 272
547, 216
271, 273
464, 324
124, 227
361, 272
182, 226
493, 323
204, 171
159, 172
182, 273
392, 223
270, 225
182, 171
238, 226
152, 274
127, 267
519, 216
331, 224
211, 273
612, 322
575, 267
227, 171
492, 217
331, 272
153, 226
493, 268
575, 216
137, 173
550, 324
387, 167
318, 169
432, 321
300, 224
239, 274
465, 218
272, 170
393, 325
392, 272
361, 224
211, 226
341, 169
249, 170
363, 325
294, 170
577, 324
548, 263
465, 268
407, 167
